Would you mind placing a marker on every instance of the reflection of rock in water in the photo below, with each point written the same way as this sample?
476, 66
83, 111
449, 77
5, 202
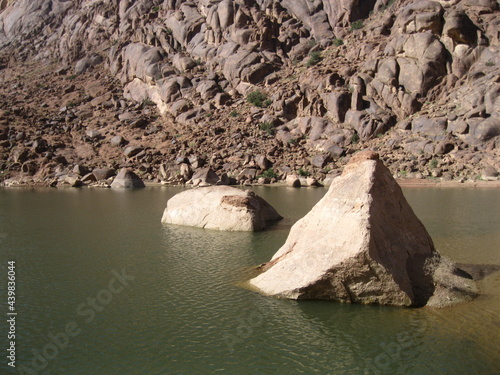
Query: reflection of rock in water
479, 271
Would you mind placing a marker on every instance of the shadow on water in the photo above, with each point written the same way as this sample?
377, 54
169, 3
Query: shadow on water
479, 271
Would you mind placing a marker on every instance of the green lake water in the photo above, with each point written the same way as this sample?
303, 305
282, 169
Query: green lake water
176, 307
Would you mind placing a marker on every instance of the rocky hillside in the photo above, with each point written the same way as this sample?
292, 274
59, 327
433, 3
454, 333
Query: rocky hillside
264, 88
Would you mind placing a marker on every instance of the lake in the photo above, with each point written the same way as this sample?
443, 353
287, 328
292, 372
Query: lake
104, 288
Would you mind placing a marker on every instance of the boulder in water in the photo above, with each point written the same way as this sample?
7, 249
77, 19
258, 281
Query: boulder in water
362, 243
127, 179
221, 208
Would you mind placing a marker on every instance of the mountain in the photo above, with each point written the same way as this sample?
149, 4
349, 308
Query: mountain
249, 88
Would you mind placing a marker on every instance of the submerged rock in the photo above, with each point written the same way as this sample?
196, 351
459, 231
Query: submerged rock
127, 179
362, 243
220, 208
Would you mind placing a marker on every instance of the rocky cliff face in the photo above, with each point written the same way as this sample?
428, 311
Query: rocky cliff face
246, 86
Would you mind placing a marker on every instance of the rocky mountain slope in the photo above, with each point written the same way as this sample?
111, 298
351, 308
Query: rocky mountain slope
264, 88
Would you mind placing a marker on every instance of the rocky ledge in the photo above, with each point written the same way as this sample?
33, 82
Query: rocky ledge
362, 243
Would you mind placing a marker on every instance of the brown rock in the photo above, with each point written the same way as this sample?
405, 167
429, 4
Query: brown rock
103, 173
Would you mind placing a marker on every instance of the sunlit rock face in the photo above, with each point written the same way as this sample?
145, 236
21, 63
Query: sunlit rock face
362, 243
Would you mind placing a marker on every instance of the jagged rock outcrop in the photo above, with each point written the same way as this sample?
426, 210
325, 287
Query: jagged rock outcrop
220, 208
362, 243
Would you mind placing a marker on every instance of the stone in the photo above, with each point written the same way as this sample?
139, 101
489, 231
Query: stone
458, 127
132, 151
460, 28
320, 160
362, 243
127, 179
263, 162
86, 63
93, 135
430, 126
247, 174
337, 104
263, 181
420, 16
72, 180
221, 99
220, 208
343, 12
103, 173
80, 170
204, 177
312, 182
486, 129
185, 171
183, 63
489, 173
196, 161
335, 151
117, 140
89, 178
39, 146
293, 181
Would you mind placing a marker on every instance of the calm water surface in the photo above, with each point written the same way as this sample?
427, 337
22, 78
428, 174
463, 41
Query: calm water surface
179, 309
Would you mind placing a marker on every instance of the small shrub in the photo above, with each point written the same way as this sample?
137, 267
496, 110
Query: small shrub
234, 114
303, 173
433, 163
356, 25
155, 9
314, 58
490, 63
146, 102
355, 138
72, 77
257, 98
338, 42
270, 173
268, 127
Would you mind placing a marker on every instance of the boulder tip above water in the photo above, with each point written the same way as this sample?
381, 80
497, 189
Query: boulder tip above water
362, 243
220, 208
127, 179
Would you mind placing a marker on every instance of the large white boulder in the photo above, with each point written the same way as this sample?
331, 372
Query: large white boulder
221, 208
362, 243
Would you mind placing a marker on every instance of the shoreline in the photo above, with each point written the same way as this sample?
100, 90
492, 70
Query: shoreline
404, 183
411, 182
